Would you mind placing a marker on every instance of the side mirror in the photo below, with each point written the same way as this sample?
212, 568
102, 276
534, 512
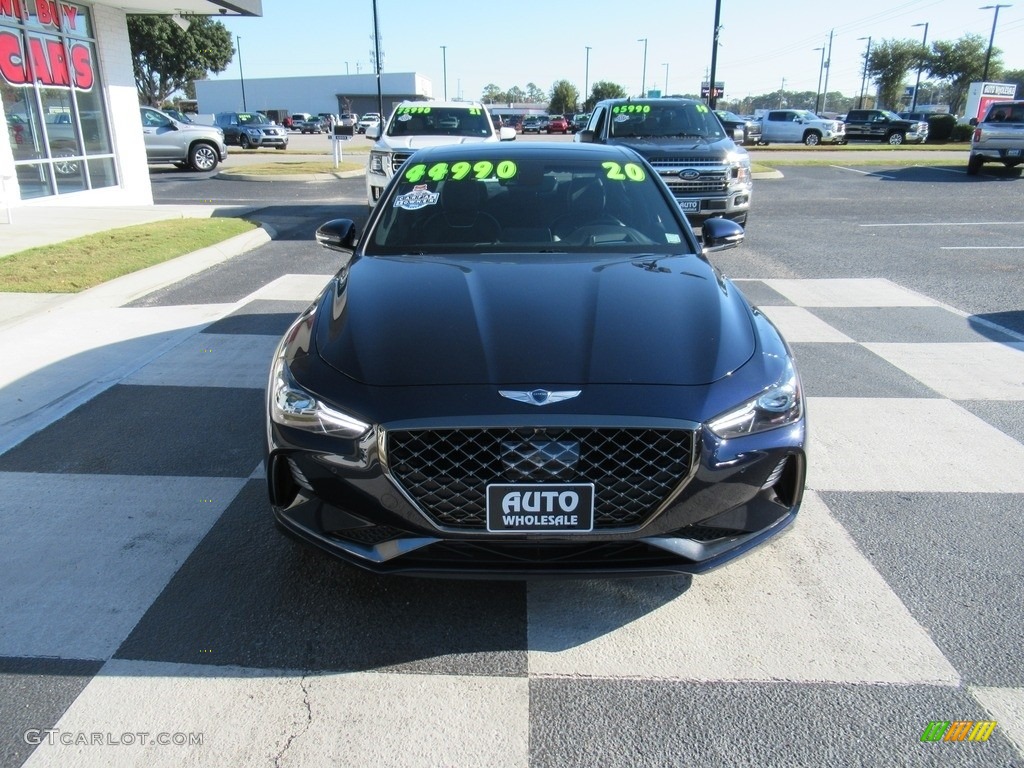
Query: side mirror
585, 136
373, 131
973, 122
337, 235
719, 234
507, 134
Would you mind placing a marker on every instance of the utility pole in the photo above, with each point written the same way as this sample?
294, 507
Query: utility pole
821, 70
920, 63
643, 79
241, 75
864, 77
782, 90
828, 62
586, 78
712, 93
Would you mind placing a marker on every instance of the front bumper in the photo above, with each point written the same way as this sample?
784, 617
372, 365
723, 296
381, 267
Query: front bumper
741, 493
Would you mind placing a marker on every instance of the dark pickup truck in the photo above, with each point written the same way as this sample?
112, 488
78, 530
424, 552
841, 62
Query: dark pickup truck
688, 147
885, 126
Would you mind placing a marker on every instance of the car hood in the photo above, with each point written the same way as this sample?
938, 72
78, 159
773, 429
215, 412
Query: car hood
401, 321
418, 142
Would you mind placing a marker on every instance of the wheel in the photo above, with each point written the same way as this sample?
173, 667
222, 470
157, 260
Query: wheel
62, 166
244, 142
895, 139
812, 139
1011, 163
282, 146
974, 164
203, 157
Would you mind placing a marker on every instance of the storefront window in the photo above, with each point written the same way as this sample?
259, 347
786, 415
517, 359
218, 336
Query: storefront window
56, 119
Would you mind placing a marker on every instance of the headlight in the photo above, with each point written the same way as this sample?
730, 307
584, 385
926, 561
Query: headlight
293, 406
253, 131
779, 405
377, 162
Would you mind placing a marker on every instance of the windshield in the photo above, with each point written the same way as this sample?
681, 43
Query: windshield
487, 204
255, 118
440, 121
654, 119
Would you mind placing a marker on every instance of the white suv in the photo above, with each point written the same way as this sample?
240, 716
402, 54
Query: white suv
417, 124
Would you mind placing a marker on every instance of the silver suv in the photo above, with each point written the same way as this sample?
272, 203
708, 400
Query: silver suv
416, 124
186, 145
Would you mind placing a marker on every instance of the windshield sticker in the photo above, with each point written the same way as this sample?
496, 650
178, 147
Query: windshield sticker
629, 171
413, 110
628, 109
702, 108
420, 197
482, 169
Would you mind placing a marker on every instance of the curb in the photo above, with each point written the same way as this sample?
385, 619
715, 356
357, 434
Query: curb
330, 176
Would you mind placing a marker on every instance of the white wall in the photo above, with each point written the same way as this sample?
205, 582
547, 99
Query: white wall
302, 94
115, 74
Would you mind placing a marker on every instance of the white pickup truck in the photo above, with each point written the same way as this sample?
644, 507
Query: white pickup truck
799, 126
999, 138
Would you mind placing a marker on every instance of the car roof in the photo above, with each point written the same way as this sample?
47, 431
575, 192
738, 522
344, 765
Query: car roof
447, 104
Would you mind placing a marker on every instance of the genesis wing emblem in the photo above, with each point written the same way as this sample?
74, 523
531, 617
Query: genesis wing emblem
539, 396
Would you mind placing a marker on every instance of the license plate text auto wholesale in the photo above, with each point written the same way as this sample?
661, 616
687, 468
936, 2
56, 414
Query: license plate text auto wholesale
540, 508
689, 206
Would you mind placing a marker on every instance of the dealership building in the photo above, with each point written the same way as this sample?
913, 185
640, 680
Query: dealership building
69, 102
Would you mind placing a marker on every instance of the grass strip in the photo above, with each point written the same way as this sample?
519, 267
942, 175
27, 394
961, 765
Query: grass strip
74, 265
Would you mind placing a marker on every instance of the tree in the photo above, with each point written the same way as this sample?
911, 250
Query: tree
516, 95
1015, 76
888, 66
603, 89
493, 95
564, 98
535, 95
166, 58
961, 63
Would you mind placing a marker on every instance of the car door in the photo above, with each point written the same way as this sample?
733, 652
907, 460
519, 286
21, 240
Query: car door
159, 135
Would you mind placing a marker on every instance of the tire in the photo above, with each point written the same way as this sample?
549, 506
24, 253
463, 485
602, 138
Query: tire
62, 166
812, 139
203, 157
182, 164
974, 164
895, 139
244, 142
284, 146
1011, 163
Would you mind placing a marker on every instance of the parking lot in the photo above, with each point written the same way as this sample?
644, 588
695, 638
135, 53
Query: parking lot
147, 591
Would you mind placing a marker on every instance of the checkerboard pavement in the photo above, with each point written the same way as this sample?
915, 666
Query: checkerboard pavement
146, 593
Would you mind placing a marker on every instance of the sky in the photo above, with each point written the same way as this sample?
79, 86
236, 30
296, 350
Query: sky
761, 44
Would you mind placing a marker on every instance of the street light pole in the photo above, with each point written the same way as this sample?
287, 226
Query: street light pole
376, 62
992, 37
821, 71
586, 78
241, 75
643, 80
444, 69
920, 63
666, 78
864, 77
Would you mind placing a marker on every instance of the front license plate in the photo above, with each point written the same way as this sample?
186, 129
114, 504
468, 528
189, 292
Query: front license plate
540, 507
690, 206
1013, 153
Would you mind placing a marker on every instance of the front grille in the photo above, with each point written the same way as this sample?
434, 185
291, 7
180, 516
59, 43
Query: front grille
634, 470
714, 177
397, 159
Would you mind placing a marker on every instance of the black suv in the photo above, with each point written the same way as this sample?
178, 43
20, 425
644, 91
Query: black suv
883, 125
250, 130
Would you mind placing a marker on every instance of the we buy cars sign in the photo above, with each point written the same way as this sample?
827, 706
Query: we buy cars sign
37, 57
